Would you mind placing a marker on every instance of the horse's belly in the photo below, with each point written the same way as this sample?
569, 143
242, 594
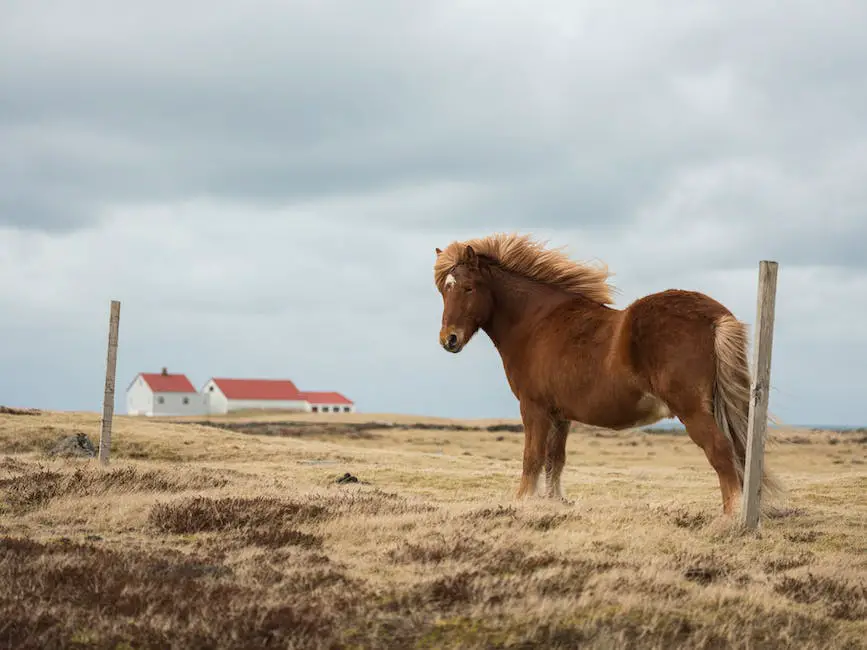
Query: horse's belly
623, 413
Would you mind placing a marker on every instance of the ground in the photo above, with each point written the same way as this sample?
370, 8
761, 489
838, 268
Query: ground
202, 536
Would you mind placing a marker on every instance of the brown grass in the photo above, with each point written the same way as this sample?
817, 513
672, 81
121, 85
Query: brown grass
199, 536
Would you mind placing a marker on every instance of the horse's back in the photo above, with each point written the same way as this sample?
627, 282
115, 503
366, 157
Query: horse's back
674, 306
667, 338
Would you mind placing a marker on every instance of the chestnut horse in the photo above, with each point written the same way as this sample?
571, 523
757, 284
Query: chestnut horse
570, 356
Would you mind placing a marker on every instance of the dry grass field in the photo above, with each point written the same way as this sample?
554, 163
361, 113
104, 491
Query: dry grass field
203, 536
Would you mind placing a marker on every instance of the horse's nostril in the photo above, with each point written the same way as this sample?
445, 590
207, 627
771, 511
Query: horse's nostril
452, 340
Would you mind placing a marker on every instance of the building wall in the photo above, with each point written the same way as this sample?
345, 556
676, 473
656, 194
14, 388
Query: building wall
283, 405
215, 402
332, 408
178, 404
139, 398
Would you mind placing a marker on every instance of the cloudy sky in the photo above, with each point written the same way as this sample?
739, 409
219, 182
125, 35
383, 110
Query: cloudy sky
263, 184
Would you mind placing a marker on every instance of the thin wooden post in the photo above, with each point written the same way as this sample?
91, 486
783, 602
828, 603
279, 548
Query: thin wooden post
108, 396
758, 415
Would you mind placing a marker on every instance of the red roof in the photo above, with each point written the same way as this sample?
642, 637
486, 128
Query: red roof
168, 383
320, 397
265, 389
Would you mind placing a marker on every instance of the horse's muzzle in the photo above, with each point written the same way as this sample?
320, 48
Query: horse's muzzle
452, 342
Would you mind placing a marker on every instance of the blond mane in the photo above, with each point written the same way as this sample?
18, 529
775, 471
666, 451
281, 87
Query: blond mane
523, 256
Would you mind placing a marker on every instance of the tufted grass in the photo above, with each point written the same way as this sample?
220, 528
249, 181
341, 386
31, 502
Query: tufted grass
199, 536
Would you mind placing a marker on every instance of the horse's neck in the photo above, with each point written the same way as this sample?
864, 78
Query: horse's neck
518, 304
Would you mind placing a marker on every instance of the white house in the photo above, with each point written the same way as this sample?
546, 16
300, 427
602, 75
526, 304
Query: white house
162, 393
222, 395
328, 402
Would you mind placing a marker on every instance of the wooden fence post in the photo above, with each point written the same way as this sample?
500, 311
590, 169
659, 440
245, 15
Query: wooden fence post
758, 415
108, 395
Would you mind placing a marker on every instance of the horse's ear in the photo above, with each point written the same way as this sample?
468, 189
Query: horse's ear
471, 257
439, 252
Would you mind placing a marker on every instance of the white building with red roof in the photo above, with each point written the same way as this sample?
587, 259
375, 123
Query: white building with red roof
163, 393
328, 402
223, 395
174, 394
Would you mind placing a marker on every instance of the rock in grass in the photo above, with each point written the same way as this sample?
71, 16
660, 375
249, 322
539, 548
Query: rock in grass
78, 445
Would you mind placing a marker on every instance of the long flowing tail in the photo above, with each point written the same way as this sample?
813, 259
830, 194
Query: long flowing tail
731, 401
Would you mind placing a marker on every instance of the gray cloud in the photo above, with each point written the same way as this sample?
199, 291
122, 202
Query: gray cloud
264, 189
298, 103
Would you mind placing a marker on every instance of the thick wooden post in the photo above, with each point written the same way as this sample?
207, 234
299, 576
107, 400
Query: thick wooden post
108, 395
758, 416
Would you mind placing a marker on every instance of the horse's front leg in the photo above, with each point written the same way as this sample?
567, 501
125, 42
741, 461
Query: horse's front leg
537, 422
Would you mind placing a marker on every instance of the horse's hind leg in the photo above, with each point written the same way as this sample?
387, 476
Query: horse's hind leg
555, 458
703, 430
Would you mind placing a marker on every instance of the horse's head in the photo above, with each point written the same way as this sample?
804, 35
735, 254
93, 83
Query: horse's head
467, 301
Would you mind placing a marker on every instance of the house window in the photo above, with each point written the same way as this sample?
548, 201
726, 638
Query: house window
161, 400
325, 409
186, 400
210, 389
315, 409
346, 409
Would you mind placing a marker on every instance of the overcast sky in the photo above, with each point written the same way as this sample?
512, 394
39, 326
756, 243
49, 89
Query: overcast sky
263, 185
